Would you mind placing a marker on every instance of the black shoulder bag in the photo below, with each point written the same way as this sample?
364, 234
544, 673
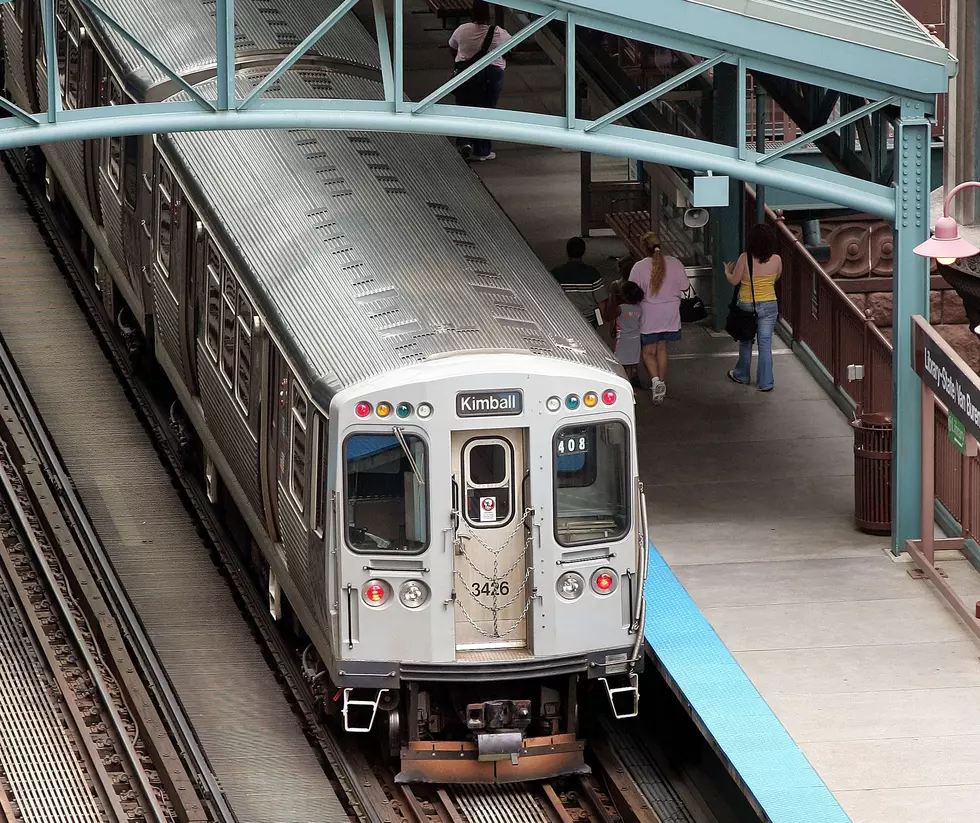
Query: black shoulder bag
742, 324
692, 307
463, 65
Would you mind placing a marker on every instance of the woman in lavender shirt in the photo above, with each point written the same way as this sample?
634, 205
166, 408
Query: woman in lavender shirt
663, 281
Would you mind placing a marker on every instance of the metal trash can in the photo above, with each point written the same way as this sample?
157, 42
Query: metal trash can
873, 473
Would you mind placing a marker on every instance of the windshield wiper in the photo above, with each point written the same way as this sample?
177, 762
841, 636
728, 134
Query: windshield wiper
399, 433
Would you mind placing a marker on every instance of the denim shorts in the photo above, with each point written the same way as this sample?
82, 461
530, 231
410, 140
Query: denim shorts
660, 337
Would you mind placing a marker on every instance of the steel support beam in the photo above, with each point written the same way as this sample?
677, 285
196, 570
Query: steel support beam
224, 22
656, 93
827, 128
493, 124
727, 224
911, 297
51, 60
384, 49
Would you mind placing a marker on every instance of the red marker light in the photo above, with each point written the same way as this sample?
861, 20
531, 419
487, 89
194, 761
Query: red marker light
374, 594
604, 581
362, 409
609, 397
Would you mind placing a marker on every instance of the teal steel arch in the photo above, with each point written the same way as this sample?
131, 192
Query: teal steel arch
871, 51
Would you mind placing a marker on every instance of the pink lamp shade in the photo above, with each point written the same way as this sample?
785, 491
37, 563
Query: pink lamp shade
946, 242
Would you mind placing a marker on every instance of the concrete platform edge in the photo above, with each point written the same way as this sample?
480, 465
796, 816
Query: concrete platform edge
762, 757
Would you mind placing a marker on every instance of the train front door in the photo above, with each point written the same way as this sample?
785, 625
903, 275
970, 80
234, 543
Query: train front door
492, 547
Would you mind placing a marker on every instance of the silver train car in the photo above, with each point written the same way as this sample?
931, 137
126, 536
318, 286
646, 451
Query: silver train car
431, 452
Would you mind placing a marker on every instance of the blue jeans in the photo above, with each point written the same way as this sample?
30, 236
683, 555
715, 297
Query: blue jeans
483, 91
767, 313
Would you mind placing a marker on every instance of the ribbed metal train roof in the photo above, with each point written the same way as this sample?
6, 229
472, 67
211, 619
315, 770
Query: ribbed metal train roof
182, 34
367, 252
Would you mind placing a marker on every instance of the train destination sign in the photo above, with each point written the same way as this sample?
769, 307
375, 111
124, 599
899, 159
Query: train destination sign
503, 403
946, 375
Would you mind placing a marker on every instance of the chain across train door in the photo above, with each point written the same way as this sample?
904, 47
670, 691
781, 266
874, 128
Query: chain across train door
491, 552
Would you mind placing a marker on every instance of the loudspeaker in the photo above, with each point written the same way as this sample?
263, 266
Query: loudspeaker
695, 218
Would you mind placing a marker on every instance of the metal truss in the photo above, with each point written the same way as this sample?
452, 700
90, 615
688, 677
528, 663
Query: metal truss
397, 114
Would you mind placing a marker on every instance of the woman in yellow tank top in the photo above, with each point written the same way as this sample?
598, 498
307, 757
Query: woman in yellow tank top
757, 288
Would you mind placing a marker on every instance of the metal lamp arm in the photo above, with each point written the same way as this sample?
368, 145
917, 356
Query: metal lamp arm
969, 184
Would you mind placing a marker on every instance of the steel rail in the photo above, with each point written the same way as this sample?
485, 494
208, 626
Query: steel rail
151, 806
113, 592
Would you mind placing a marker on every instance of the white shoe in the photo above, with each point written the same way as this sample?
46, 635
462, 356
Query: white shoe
658, 390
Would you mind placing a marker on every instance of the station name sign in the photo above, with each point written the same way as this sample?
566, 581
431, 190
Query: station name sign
504, 403
946, 375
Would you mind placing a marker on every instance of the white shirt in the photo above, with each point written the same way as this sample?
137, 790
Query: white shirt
468, 38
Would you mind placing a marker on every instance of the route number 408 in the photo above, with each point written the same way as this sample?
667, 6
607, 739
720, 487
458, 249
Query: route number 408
571, 445
491, 589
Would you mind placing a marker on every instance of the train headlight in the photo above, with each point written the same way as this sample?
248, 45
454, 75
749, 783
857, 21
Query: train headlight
424, 410
376, 592
572, 401
553, 404
609, 397
403, 410
362, 409
383, 409
413, 594
604, 581
570, 586
591, 399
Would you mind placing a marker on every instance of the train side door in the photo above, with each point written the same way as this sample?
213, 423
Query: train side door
491, 563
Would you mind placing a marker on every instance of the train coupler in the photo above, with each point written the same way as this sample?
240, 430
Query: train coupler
363, 711
506, 745
624, 700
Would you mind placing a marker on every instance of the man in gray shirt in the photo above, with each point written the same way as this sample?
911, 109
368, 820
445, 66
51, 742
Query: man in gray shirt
581, 282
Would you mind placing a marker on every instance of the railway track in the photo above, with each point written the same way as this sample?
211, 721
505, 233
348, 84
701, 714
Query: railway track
70, 741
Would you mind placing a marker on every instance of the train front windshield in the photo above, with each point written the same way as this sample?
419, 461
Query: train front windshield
386, 493
592, 488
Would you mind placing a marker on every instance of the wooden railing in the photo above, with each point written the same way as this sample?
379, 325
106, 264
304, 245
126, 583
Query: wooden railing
837, 334
821, 318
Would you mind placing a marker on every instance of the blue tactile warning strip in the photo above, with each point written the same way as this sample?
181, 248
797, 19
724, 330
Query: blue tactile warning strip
729, 709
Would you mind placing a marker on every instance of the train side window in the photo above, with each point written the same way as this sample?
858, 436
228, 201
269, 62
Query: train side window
317, 481
297, 446
244, 373
164, 212
212, 332
385, 497
592, 483
73, 60
113, 150
228, 323
131, 155
61, 43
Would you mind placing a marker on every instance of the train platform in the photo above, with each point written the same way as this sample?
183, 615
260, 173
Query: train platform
764, 585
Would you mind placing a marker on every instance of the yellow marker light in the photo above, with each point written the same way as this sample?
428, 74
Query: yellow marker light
591, 399
383, 409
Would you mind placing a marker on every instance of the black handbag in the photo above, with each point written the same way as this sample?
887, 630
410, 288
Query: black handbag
692, 307
742, 324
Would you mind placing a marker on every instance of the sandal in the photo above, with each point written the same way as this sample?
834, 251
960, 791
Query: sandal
733, 378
